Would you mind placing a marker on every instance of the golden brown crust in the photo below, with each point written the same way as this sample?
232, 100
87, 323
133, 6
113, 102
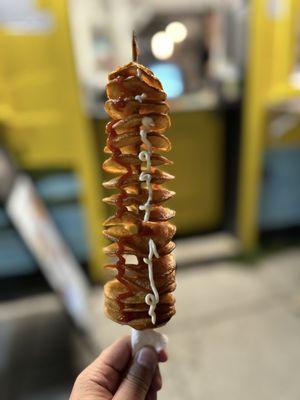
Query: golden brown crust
135, 311
112, 250
130, 70
132, 106
134, 93
158, 177
133, 122
158, 141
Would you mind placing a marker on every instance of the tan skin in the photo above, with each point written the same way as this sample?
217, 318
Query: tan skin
116, 375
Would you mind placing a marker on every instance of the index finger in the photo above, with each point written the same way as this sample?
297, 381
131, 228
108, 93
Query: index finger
107, 370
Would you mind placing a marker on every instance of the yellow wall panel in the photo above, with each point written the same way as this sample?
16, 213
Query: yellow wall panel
198, 155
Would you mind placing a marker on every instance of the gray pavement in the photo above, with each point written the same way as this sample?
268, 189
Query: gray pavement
236, 334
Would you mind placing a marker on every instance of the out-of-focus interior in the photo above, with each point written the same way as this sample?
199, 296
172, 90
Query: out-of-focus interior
231, 70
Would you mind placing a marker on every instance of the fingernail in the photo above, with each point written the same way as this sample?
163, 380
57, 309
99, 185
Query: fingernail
147, 357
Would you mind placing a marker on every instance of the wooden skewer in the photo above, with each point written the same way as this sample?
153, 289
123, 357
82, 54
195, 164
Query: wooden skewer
135, 49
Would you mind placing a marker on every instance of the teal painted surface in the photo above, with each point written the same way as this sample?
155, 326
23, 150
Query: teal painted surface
60, 187
60, 192
280, 196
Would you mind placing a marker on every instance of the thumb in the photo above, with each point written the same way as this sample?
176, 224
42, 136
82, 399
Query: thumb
138, 379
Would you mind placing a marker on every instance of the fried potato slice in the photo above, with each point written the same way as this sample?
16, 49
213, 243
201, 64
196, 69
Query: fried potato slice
138, 235
159, 195
159, 213
161, 123
122, 108
126, 219
138, 308
115, 290
138, 70
138, 283
132, 273
157, 177
131, 87
133, 311
116, 165
161, 266
139, 320
159, 141
120, 231
113, 249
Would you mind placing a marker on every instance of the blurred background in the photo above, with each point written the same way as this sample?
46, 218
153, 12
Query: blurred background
231, 69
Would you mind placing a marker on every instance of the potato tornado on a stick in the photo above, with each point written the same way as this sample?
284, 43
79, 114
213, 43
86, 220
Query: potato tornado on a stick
141, 293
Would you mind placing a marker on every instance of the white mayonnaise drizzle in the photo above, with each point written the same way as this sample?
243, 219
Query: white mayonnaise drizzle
145, 140
145, 155
140, 97
151, 299
147, 122
145, 177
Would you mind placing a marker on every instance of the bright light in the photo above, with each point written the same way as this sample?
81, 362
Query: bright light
162, 46
176, 31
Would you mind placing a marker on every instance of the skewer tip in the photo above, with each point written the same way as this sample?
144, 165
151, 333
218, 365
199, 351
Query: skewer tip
135, 49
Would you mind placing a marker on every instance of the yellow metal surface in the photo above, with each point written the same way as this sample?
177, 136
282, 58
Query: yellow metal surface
270, 61
198, 155
44, 123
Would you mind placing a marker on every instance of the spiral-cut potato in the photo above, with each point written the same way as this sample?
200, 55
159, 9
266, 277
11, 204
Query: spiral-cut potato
141, 293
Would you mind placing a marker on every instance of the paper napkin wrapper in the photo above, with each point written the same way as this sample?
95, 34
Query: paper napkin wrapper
148, 337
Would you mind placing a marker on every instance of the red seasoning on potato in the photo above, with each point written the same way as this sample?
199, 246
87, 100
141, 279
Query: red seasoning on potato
141, 295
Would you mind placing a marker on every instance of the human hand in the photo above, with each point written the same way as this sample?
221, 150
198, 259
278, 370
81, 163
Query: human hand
114, 375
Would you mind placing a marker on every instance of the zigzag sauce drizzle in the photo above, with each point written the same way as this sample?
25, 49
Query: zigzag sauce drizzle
151, 299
